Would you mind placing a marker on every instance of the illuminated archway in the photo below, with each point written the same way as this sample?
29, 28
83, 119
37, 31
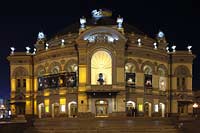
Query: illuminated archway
101, 64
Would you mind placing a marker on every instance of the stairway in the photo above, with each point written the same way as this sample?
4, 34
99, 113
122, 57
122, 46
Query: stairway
99, 125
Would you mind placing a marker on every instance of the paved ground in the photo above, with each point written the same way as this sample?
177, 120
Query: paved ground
99, 125
104, 125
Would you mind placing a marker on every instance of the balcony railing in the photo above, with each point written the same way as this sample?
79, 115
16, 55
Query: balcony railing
104, 88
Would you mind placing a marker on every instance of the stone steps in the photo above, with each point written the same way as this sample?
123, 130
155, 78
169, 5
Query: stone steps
102, 126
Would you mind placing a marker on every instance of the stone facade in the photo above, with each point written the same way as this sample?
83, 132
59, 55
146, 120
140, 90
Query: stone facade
137, 76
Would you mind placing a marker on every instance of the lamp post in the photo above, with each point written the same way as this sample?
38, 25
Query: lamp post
170, 76
195, 106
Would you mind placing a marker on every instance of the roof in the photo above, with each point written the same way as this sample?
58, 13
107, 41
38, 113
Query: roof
104, 21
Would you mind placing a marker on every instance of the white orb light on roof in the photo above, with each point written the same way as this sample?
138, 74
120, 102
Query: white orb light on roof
41, 35
28, 50
34, 51
47, 46
174, 48
161, 34
119, 21
139, 42
83, 22
12, 50
155, 45
189, 48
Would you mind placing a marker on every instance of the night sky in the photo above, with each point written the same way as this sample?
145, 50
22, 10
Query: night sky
21, 22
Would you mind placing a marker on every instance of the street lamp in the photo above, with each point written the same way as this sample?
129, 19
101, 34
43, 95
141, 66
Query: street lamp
195, 106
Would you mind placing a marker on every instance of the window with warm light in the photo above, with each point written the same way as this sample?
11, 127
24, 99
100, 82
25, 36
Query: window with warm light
47, 108
156, 108
101, 63
62, 108
140, 107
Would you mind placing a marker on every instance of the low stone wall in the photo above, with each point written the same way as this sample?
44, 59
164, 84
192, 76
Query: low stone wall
117, 114
85, 115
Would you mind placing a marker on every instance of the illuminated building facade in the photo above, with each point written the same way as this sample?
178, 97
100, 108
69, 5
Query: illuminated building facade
101, 67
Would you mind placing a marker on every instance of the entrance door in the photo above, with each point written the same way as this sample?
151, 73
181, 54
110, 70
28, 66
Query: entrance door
55, 110
101, 108
72, 109
41, 110
162, 109
182, 109
147, 109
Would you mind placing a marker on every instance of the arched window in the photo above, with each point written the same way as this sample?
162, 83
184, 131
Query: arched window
147, 76
130, 69
71, 68
101, 68
162, 79
182, 73
55, 70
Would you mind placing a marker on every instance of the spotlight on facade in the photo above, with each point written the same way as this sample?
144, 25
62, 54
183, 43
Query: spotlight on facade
174, 48
189, 48
155, 45
28, 50
167, 48
62, 42
47, 46
12, 50
83, 22
34, 51
139, 42
119, 21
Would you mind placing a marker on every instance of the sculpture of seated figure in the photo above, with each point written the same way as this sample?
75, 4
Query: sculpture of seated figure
100, 80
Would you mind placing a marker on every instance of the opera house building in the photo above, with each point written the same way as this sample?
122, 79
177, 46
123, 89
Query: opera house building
101, 67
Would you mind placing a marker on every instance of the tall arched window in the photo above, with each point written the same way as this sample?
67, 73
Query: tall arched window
101, 68
181, 74
130, 74
162, 79
147, 76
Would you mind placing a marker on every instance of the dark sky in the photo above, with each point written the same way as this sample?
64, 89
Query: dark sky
21, 22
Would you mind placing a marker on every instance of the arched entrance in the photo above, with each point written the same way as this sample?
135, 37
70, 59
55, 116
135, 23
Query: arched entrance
41, 110
55, 110
147, 109
72, 109
130, 108
162, 109
101, 108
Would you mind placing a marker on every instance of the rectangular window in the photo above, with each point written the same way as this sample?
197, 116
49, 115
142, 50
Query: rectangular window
130, 80
47, 108
140, 107
183, 83
178, 86
18, 83
148, 81
24, 82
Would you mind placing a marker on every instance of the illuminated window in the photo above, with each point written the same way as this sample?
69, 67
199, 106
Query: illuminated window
140, 107
156, 108
46, 103
62, 108
101, 63
47, 109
